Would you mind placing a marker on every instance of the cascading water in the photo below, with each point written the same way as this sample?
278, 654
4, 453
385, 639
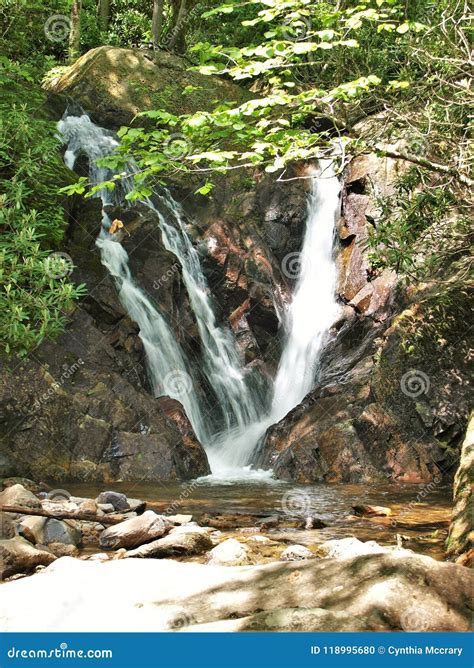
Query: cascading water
231, 447
231, 441
168, 367
222, 364
313, 308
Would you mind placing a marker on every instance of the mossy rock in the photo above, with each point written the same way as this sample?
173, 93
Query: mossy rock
115, 84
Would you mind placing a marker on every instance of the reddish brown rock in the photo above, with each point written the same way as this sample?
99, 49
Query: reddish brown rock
374, 297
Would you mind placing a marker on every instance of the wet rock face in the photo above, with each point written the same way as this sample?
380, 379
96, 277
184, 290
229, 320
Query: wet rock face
248, 236
77, 411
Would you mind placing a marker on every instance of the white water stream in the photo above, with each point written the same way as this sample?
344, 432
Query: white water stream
313, 308
230, 440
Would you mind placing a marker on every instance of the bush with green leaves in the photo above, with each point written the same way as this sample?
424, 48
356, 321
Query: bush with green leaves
36, 294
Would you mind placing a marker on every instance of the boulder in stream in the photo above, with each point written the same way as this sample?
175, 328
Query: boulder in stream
176, 543
17, 495
134, 532
228, 553
116, 499
45, 531
296, 553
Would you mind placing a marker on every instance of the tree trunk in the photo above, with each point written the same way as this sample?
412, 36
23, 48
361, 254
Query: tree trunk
176, 38
104, 13
157, 22
75, 34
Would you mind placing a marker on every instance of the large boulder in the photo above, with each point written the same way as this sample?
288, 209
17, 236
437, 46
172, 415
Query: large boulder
296, 553
17, 555
134, 532
191, 541
373, 592
47, 530
115, 84
117, 500
17, 495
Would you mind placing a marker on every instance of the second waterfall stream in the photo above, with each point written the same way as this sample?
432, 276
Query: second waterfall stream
232, 432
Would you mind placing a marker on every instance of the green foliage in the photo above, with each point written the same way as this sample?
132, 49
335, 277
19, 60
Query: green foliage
35, 293
27, 32
278, 127
22, 32
422, 231
130, 23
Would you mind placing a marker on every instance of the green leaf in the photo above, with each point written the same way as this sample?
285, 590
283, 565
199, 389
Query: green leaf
205, 189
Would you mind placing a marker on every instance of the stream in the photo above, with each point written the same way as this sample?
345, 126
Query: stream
421, 513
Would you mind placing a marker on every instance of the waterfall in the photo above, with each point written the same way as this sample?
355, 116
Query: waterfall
222, 363
231, 439
168, 367
313, 308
